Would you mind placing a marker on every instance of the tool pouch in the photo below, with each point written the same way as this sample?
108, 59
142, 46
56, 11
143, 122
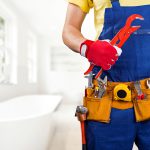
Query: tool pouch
99, 109
142, 107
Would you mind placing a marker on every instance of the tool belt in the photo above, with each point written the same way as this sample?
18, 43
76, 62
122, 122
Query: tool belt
99, 109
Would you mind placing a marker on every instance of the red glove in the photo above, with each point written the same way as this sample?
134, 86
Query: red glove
101, 53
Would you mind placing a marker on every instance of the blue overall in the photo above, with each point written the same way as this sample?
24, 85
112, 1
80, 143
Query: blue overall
133, 65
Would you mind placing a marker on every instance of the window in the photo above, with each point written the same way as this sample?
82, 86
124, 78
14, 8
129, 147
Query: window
32, 58
8, 46
2, 49
62, 59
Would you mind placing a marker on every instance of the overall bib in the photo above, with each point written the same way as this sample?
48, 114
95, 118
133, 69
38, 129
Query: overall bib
132, 65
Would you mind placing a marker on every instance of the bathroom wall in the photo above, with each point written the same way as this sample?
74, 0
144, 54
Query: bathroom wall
70, 84
22, 87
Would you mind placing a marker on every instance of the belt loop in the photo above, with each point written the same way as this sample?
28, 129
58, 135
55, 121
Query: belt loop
115, 3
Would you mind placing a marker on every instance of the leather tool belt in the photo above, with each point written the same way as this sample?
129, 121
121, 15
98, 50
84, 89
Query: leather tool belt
99, 109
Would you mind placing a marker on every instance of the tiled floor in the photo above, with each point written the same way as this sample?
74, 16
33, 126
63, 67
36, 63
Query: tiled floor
67, 134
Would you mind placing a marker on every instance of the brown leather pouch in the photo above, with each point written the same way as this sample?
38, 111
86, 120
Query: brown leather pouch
142, 107
99, 109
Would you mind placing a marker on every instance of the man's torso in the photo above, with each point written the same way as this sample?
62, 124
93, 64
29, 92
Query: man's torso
100, 5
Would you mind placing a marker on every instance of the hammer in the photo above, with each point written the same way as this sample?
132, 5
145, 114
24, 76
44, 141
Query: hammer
81, 112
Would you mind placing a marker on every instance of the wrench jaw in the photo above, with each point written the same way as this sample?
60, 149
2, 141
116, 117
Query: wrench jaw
134, 28
140, 18
132, 18
126, 31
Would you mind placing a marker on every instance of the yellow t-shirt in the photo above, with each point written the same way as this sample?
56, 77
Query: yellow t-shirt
99, 8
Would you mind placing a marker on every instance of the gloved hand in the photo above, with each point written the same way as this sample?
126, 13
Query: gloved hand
100, 52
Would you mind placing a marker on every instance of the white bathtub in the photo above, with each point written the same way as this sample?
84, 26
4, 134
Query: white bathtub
26, 123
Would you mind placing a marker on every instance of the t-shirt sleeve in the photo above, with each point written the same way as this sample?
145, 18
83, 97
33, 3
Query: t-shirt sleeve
85, 5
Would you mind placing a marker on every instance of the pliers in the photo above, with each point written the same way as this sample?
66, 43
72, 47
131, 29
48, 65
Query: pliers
120, 38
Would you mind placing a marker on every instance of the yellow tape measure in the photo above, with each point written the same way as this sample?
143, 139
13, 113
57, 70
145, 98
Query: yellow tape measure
122, 92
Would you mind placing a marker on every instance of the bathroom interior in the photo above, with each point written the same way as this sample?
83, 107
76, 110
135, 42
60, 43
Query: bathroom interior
41, 80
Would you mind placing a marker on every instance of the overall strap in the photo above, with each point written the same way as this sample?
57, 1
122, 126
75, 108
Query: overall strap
115, 3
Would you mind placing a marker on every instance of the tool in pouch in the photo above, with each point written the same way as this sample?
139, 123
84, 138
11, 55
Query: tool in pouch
120, 38
81, 112
102, 83
99, 89
90, 79
137, 86
123, 91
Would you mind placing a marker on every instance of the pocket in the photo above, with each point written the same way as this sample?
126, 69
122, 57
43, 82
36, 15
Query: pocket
142, 107
98, 109
141, 38
138, 32
142, 32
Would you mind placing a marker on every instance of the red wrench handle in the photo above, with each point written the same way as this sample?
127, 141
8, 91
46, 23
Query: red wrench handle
90, 69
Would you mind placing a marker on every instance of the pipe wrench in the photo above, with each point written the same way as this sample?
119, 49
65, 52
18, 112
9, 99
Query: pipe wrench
120, 38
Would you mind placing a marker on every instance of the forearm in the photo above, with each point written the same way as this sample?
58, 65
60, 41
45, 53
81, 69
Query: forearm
73, 38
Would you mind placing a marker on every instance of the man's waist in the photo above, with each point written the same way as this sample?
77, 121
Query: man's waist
101, 95
124, 93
